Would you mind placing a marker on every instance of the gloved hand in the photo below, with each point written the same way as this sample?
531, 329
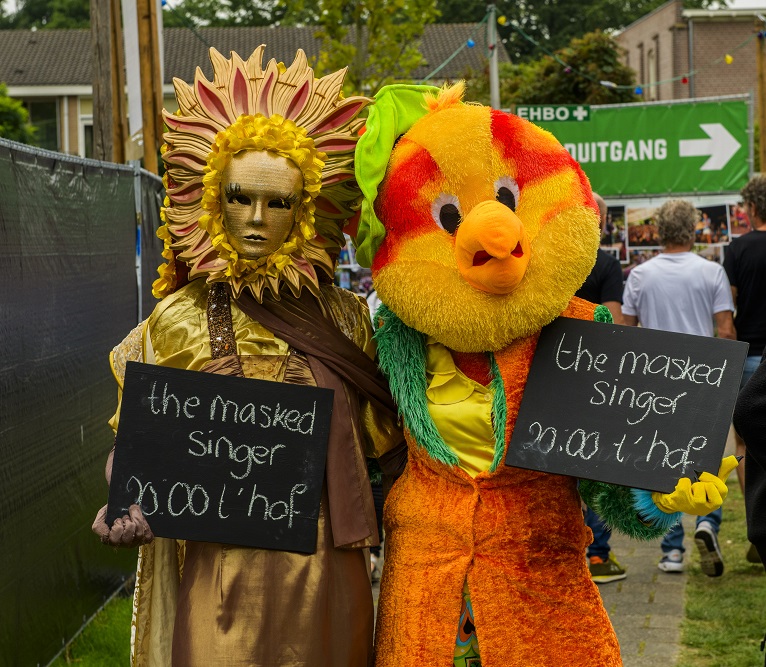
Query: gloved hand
131, 530
700, 497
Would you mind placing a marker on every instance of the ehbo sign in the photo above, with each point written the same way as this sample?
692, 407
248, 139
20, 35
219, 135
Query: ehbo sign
221, 459
626, 405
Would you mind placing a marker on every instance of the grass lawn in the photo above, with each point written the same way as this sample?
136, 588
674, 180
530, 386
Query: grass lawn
726, 616
105, 641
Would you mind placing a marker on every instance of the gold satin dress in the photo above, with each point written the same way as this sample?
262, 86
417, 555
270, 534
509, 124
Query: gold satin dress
203, 604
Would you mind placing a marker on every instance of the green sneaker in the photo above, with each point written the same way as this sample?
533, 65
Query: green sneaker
605, 571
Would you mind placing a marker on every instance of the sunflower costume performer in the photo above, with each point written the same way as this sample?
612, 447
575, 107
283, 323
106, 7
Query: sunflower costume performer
259, 184
479, 228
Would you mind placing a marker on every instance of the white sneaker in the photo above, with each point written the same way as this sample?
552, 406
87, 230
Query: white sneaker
706, 540
672, 561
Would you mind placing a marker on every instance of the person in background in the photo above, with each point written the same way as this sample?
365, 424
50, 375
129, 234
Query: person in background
603, 285
745, 265
750, 423
680, 291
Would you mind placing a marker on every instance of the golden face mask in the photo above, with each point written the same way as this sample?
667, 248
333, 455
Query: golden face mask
264, 112
260, 193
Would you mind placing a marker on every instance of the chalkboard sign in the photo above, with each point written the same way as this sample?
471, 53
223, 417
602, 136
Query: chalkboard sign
626, 405
221, 459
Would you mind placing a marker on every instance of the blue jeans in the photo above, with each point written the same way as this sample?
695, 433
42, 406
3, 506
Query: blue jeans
601, 535
674, 538
751, 363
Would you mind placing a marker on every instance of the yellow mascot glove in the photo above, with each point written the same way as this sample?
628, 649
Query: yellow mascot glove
700, 497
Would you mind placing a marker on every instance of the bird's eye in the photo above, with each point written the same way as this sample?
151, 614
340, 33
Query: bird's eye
240, 199
507, 192
446, 212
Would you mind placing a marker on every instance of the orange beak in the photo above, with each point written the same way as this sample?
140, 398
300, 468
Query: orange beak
492, 249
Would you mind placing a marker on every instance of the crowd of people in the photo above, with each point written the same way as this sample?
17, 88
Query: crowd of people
677, 290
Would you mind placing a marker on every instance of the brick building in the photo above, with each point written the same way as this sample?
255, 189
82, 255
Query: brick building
672, 42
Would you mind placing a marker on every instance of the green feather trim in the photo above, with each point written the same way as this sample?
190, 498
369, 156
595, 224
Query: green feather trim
614, 504
499, 412
602, 314
374, 471
402, 358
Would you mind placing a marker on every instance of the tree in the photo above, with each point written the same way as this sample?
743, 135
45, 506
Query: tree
590, 59
14, 119
217, 13
553, 23
51, 14
379, 40
5, 19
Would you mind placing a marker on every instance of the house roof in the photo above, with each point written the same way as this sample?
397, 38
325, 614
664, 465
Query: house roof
63, 57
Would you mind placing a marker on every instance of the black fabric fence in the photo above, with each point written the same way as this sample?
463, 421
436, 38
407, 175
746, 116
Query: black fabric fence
69, 293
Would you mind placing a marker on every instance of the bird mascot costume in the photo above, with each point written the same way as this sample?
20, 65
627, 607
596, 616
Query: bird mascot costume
479, 228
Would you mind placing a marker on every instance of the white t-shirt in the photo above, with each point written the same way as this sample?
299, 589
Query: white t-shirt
677, 292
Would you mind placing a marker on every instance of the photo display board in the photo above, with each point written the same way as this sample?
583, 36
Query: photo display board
626, 405
221, 459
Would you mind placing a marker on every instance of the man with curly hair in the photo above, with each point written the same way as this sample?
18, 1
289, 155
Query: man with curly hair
682, 292
745, 264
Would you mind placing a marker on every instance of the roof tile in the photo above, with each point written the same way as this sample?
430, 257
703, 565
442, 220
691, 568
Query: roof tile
62, 57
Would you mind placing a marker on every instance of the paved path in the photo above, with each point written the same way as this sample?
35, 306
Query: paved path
647, 608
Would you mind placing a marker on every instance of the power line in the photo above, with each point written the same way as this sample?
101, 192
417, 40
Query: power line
188, 23
469, 43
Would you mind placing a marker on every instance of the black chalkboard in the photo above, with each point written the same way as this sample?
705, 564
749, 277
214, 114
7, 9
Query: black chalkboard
221, 459
626, 405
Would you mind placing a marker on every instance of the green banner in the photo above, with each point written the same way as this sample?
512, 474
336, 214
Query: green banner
654, 149
560, 112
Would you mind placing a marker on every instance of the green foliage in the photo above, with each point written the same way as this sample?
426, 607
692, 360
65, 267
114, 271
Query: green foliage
5, 19
14, 119
51, 14
553, 23
386, 39
546, 81
218, 13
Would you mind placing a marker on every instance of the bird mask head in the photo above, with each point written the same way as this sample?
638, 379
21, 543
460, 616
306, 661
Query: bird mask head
479, 226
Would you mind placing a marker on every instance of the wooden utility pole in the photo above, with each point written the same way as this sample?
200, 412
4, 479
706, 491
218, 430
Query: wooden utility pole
101, 71
108, 70
119, 107
149, 66
760, 53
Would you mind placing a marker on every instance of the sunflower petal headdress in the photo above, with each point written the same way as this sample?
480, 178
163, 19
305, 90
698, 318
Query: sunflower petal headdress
284, 110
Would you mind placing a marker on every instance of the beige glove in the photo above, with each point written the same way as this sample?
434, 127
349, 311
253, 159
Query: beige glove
131, 530
698, 498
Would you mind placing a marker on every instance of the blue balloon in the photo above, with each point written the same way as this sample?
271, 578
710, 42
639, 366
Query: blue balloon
470, 43
639, 90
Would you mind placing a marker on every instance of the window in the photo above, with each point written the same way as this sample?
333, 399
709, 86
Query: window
43, 114
86, 136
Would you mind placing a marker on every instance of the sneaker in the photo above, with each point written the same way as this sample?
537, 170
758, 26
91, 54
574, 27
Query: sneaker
752, 555
672, 561
603, 571
706, 540
374, 568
